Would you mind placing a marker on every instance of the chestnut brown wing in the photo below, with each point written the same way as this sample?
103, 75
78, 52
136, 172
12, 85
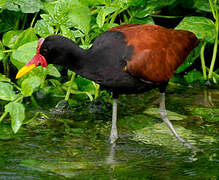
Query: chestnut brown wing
157, 51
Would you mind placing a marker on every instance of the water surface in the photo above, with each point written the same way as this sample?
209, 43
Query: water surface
74, 144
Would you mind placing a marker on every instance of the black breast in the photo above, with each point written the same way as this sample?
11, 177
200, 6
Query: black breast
107, 59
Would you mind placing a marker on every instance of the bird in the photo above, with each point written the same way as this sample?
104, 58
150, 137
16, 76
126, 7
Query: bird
127, 59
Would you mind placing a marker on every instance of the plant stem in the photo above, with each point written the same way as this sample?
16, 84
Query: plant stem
212, 8
202, 56
69, 87
8, 51
3, 116
24, 21
215, 46
31, 25
113, 17
163, 16
44, 77
6, 113
34, 101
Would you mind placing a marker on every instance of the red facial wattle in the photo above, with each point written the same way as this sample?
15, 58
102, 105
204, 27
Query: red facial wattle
38, 59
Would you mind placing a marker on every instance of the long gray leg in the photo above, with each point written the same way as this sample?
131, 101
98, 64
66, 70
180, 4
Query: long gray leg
163, 114
114, 133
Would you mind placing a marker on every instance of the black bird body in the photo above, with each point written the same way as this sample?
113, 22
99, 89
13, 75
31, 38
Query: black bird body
126, 59
103, 63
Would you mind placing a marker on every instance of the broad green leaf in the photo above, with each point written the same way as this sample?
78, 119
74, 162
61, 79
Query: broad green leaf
2, 2
10, 38
147, 20
79, 17
32, 6
69, 13
29, 84
150, 7
24, 54
127, 3
171, 115
87, 86
26, 36
43, 28
190, 59
11, 5
3, 78
103, 13
144, 12
202, 5
203, 27
67, 33
78, 34
25, 6
52, 71
6, 92
91, 3
17, 114
193, 76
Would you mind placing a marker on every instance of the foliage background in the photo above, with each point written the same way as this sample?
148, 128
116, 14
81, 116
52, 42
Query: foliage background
23, 22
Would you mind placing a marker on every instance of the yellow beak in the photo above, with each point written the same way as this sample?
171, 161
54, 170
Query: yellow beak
24, 70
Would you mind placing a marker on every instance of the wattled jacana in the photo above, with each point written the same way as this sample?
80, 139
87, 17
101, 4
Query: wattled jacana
125, 59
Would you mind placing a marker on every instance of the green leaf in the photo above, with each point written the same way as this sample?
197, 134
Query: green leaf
202, 5
26, 36
53, 71
6, 92
147, 20
193, 76
2, 2
10, 38
143, 13
11, 5
79, 17
69, 13
43, 28
190, 59
25, 6
87, 86
17, 113
67, 33
3, 78
203, 27
103, 13
8, 20
29, 84
32, 6
150, 7
24, 54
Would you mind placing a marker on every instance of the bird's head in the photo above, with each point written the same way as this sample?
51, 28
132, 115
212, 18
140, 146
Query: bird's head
51, 50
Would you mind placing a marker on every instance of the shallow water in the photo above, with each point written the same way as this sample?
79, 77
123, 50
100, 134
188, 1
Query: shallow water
74, 144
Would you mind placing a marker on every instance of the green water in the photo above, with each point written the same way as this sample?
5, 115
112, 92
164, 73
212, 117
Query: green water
74, 144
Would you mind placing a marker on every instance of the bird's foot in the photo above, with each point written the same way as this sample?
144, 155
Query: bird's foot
113, 136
